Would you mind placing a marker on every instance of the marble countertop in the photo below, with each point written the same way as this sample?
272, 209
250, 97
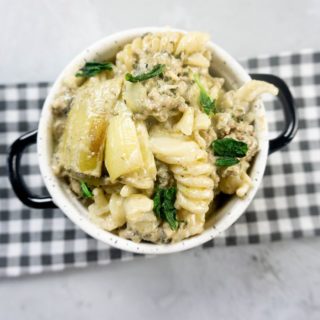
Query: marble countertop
270, 281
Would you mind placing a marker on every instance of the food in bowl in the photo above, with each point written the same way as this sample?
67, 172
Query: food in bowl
147, 141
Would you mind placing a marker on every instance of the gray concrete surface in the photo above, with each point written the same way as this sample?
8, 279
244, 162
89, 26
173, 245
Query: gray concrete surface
277, 281
270, 281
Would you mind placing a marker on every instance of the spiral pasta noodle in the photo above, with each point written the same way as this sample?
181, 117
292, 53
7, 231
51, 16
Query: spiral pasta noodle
192, 172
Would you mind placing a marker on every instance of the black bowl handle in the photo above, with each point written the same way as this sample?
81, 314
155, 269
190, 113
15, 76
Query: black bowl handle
18, 184
289, 109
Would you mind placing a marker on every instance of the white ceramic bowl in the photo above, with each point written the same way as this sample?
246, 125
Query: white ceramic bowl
224, 66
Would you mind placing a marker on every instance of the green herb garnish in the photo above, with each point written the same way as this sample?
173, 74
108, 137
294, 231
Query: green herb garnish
163, 205
91, 69
156, 71
226, 161
208, 104
85, 190
228, 150
228, 147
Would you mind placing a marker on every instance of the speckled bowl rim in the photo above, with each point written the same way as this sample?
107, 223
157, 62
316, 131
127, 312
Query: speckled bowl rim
225, 66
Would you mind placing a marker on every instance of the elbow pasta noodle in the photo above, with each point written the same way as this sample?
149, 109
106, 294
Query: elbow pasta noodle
128, 140
110, 213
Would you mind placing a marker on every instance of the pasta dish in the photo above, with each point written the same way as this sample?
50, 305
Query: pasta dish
149, 140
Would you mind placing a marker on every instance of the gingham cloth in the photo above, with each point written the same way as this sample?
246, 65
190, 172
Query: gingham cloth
286, 206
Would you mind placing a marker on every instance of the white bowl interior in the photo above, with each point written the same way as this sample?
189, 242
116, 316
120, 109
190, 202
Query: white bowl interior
222, 65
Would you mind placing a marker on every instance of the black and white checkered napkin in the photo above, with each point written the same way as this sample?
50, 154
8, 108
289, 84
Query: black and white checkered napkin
286, 206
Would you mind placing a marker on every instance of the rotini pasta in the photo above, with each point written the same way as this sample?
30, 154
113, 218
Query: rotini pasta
148, 141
